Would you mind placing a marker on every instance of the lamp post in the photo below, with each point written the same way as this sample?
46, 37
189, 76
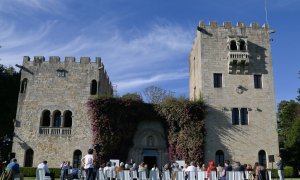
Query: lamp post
98, 149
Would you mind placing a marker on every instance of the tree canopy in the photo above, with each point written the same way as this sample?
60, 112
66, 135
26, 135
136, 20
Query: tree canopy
289, 131
9, 89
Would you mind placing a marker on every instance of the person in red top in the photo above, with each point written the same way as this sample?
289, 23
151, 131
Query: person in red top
211, 167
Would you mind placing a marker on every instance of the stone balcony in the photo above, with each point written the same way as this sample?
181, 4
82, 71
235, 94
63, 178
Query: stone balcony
238, 62
55, 131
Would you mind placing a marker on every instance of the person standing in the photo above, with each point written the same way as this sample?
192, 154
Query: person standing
280, 168
211, 167
88, 161
44, 166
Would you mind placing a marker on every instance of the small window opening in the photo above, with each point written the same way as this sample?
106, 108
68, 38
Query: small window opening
68, 119
93, 87
242, 45
45, 118
257, 81
217, 80
24, 85
244, 116
233, 45
57, 119
235, 116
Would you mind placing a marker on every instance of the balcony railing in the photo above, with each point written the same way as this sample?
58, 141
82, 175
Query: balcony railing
55, 131
238, 61
238, 56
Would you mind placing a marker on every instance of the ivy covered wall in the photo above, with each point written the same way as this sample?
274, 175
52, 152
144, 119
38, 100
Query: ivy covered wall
115, 120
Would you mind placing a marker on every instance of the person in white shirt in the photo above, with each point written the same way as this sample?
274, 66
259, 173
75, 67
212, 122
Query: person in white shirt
191, 167
44, 166
88, 161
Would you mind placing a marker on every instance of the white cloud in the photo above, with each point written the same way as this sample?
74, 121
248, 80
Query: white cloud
30, 6
137, 82
132, 57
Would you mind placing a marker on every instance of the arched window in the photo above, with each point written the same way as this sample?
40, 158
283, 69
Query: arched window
242, 45
24, 85
150, 141
220, 157
28, 158
77, 158
262, 157
233, 45
45, 119
56, 118
93, 87
68, 119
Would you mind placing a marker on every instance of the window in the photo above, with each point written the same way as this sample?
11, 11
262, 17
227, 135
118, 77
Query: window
45, 120
244, 116
77, 158
220, 157
235, 116
24, 85
217, 80
61, 72
68, 119
93, 87
242, 45
257, 81
262, 157
28, 158
56, 119
239, 116
233, 45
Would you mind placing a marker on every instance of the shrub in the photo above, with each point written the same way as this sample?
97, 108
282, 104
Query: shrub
28, 171
287, 171
31, 171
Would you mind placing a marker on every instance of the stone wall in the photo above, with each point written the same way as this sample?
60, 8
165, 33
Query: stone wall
48, 90
210, 54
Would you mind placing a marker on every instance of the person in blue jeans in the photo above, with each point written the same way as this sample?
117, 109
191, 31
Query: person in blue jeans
280, 168
88, 162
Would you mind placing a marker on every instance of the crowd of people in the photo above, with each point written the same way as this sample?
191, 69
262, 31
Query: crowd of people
256, 172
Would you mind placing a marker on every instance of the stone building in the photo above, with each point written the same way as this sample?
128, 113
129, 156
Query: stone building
52, 122
231, 69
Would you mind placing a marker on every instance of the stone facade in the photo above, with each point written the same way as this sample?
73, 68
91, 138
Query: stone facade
52, 120
226, 62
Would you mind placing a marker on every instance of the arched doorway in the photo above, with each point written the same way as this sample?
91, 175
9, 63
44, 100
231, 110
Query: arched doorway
262, 158
28, 158
150, 144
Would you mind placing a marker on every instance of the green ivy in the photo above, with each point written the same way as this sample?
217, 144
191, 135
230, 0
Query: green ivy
115, 120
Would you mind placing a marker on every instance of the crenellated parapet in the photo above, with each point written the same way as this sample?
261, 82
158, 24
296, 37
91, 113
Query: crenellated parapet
228, 25
69, 69
56, 60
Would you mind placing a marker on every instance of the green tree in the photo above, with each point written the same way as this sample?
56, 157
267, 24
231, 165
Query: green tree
9, 88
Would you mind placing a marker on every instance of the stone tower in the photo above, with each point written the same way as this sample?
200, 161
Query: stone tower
231, 69
52, 122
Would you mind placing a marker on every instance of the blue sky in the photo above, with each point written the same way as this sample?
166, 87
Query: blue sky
143, 42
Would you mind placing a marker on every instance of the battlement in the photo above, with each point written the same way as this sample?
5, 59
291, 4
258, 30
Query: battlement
228, 25
56, 60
